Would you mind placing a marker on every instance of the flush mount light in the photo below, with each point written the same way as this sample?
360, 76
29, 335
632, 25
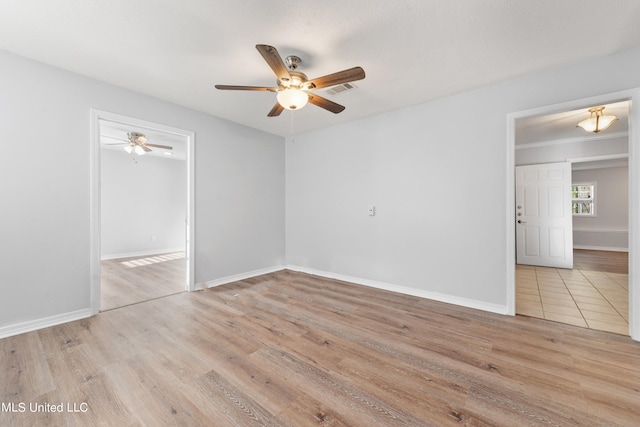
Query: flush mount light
597, 121
292, 98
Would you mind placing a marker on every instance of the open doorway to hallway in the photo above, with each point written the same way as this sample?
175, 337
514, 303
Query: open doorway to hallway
595, 292
144, 199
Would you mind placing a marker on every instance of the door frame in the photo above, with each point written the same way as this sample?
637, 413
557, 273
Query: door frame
633, 96
95, 197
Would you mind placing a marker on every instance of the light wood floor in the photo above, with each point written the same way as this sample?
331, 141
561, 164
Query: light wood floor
128, 281
289, 349
594, 294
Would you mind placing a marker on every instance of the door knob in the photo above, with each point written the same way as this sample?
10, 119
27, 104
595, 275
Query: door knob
521, 221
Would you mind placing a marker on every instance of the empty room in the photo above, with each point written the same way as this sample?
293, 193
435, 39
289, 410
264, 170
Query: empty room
319, 213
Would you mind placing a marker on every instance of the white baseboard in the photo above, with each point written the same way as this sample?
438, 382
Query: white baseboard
600, 248
449, 299
236, 277
141, 253
32, 325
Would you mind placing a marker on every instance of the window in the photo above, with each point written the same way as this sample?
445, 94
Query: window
583, 197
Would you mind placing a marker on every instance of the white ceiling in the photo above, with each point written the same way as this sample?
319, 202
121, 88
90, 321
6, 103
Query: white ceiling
412, 52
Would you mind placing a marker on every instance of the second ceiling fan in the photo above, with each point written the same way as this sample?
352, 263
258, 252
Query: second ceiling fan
293, 87
138, 143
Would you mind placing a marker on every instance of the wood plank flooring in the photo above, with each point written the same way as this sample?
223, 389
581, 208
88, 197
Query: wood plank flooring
290, 349
126, 281
606, 261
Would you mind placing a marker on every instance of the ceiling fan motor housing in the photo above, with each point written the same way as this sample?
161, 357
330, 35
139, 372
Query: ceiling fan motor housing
137, 138
292, 62
297, 81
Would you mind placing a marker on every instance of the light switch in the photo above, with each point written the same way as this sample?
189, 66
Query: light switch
372, 210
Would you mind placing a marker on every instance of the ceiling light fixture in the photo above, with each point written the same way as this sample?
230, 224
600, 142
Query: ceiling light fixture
293, 87
597, 121
131, 148
292, 98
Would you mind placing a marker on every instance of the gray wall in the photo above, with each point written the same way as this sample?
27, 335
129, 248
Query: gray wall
609, 229
45, 188
436, 173
144, 201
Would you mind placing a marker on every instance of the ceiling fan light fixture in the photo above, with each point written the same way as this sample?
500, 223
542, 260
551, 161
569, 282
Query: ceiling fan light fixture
292, 99
129, 148
597, 121
139, 150
137, 137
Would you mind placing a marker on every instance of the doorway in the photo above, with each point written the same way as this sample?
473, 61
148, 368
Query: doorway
142, 211
631, 140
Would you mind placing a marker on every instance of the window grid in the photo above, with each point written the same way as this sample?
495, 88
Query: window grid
583, 199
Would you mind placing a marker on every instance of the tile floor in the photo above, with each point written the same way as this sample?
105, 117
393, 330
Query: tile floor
591, 299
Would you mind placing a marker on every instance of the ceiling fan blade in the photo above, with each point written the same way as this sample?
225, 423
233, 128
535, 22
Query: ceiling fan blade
166, 147
144, 147
228, 87
350, 75
116, 143
276, 110
271, 55
325, 103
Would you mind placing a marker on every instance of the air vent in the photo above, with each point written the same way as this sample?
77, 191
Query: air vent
336, 90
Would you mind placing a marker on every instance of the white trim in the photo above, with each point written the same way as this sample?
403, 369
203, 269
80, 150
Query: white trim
575, 140
633, 96
601, 248
237, 277
449, 299
510, 277
33, 325
142, 253
599, 158
634, 218
95, 214
601, 230
95, 249
607, 164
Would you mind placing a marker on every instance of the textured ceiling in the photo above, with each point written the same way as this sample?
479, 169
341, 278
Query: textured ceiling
412, 51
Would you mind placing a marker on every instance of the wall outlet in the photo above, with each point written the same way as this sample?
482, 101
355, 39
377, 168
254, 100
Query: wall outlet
372, 210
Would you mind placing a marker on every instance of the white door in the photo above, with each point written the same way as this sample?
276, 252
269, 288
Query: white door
544, 232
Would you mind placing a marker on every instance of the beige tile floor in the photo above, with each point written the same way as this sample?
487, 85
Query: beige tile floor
591, 299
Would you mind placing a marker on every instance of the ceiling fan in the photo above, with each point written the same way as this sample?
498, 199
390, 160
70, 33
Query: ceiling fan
293, 87
137, 142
